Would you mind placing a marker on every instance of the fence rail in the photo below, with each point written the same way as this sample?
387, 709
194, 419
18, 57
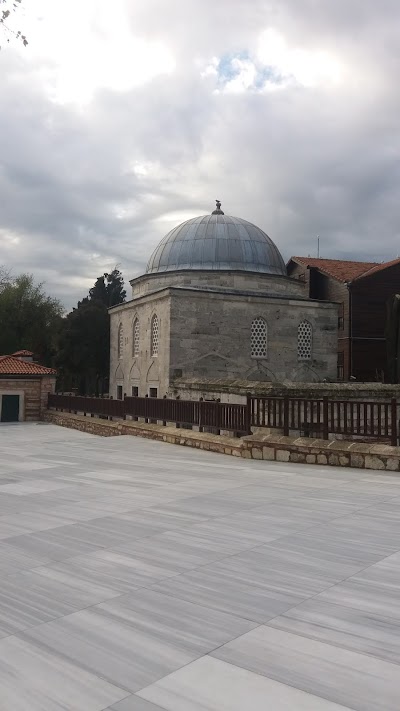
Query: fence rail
215, 416
309, 416
87, 405
312, 417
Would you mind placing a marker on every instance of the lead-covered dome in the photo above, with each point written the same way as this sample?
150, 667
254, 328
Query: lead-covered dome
217, 242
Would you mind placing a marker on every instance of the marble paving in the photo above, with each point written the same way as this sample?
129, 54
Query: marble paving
139, 576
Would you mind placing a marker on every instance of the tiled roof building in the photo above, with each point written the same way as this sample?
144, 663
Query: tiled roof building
24, 387
337, 268
13, 365
362, 289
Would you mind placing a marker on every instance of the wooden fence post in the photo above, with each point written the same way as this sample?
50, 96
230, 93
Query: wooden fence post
219, 416
286, 416
164, 421
394, 422
325, 418
248, 421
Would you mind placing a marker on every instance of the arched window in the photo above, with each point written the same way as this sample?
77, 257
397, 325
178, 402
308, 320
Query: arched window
120, 341
154, 336
304, 341
136, 338
258, 338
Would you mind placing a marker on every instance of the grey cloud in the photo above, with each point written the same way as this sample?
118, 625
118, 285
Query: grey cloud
297, 162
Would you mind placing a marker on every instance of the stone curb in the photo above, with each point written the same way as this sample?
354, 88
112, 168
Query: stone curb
339, 453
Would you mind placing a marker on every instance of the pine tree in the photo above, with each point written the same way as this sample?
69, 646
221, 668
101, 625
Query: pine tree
109, 289
84, 341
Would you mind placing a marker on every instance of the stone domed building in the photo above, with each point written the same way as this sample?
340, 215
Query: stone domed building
216, 302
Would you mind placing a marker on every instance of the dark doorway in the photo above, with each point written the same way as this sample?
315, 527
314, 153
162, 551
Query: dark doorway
10, 408
135, 391
119, 392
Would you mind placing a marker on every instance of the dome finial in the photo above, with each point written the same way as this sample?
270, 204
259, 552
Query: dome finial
218, 210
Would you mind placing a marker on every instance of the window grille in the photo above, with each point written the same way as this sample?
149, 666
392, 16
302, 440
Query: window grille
154, 336
258, 338
120, 341
136, 337
304, 341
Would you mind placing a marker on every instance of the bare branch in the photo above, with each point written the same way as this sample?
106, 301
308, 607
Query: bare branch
7, 7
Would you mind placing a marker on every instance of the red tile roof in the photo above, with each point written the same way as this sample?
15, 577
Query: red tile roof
9, 365
380, 267
23, 353
338, 268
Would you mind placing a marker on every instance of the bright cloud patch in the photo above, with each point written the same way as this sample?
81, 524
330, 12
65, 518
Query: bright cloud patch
275, 65
306, 67
85, 46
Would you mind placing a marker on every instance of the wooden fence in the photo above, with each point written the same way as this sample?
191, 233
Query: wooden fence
320, 418
309, 417
210, 416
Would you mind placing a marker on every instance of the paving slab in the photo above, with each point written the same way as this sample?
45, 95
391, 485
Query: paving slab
139, 576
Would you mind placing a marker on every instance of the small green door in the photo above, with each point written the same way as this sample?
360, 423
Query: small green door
10, 408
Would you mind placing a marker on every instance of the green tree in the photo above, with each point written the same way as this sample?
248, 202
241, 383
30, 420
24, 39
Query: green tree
84, 341
5, 277
109, 289
84, 349
29, 318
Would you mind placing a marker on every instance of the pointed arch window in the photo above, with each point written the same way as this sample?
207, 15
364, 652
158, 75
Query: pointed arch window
136, 338
259, 338
154, 336
304, 340
120, 341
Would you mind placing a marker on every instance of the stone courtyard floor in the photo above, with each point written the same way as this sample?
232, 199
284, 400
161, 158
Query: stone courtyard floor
142, 576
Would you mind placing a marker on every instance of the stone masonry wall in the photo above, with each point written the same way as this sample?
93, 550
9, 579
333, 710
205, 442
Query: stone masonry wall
210, 337
268, 447
143, 371
245, 281
235, 390
48, 385
31, 395
35, 392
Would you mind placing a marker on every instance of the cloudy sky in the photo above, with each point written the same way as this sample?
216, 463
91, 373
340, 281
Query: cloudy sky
121, 119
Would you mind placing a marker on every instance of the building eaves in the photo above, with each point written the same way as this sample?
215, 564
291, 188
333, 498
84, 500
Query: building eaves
339, 269
9, 365
378, 268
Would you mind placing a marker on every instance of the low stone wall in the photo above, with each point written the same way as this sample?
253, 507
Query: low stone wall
91, 425
269, 447
235, 391
305, 450
173, 435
